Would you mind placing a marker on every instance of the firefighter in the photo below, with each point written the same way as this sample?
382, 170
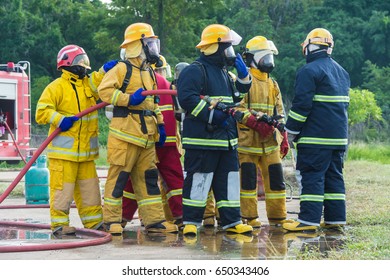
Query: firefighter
169, 164
210, 135
136, 127
318, 124
72, 153
210, 211
260, 150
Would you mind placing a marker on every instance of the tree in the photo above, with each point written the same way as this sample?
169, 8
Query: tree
363, 107
363, 115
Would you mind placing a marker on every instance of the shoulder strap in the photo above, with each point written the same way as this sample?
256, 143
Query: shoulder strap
202, 68
126, 81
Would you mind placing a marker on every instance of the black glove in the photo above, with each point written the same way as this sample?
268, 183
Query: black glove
237, 115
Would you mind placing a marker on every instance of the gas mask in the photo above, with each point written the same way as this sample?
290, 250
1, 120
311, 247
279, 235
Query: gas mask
229, 56
151, 48
78, 70
264, 61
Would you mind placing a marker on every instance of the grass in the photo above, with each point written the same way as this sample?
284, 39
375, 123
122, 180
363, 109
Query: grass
372, 152
367, 235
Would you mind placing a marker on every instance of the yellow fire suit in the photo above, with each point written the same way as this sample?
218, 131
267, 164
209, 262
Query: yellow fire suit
72, 153
255, 150
132, 135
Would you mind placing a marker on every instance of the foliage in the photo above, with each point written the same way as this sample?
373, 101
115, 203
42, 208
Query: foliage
35, 30
376, 79
363, 107
103, 128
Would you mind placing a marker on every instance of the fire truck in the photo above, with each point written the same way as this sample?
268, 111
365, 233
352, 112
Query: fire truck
15, 111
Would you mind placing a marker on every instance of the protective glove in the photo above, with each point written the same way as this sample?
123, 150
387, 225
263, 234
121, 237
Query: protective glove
219, 118
264, 129
163, 135
237, 115
284, 146
67, 122
109, 65
136, 98
240, 66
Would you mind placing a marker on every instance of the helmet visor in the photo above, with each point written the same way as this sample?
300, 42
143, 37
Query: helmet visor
153, 45
233, 38
81, 60
263, 53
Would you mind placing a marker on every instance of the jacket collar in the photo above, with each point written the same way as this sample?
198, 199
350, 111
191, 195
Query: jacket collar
137, 62
258, 74
314, 56
72, 78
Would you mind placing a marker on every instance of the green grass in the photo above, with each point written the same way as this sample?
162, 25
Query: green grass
371, 152
367, 235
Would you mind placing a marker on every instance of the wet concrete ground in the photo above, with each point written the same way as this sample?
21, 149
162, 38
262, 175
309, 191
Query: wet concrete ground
267, 243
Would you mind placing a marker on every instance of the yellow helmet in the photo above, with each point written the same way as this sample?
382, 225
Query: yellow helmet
216, 33
260, 43
138, 31
259, 53
319, 36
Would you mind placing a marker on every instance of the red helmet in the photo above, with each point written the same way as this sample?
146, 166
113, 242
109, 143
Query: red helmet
71, 55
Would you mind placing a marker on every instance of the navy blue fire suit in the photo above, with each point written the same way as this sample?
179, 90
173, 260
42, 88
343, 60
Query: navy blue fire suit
319, 118
211, 158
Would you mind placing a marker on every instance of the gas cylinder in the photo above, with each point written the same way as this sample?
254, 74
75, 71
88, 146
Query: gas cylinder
37, 182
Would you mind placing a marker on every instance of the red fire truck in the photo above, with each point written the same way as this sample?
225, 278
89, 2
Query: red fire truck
15, 111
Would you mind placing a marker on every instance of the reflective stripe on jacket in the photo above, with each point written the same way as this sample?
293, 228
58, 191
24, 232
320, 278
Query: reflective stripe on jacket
191, 84
67, 96
264, 96
129, 127
319, 108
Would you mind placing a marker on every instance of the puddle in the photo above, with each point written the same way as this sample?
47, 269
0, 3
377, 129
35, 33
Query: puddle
269, 243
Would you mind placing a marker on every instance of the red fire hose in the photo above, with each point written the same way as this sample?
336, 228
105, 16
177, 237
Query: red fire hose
160, 92
101, 238
41, 148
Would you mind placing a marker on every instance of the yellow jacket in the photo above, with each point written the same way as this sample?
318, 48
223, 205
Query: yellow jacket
129, 128
64, 97
264, 95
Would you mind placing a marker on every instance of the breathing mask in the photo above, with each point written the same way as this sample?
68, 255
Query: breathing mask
151, 48
229, 56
